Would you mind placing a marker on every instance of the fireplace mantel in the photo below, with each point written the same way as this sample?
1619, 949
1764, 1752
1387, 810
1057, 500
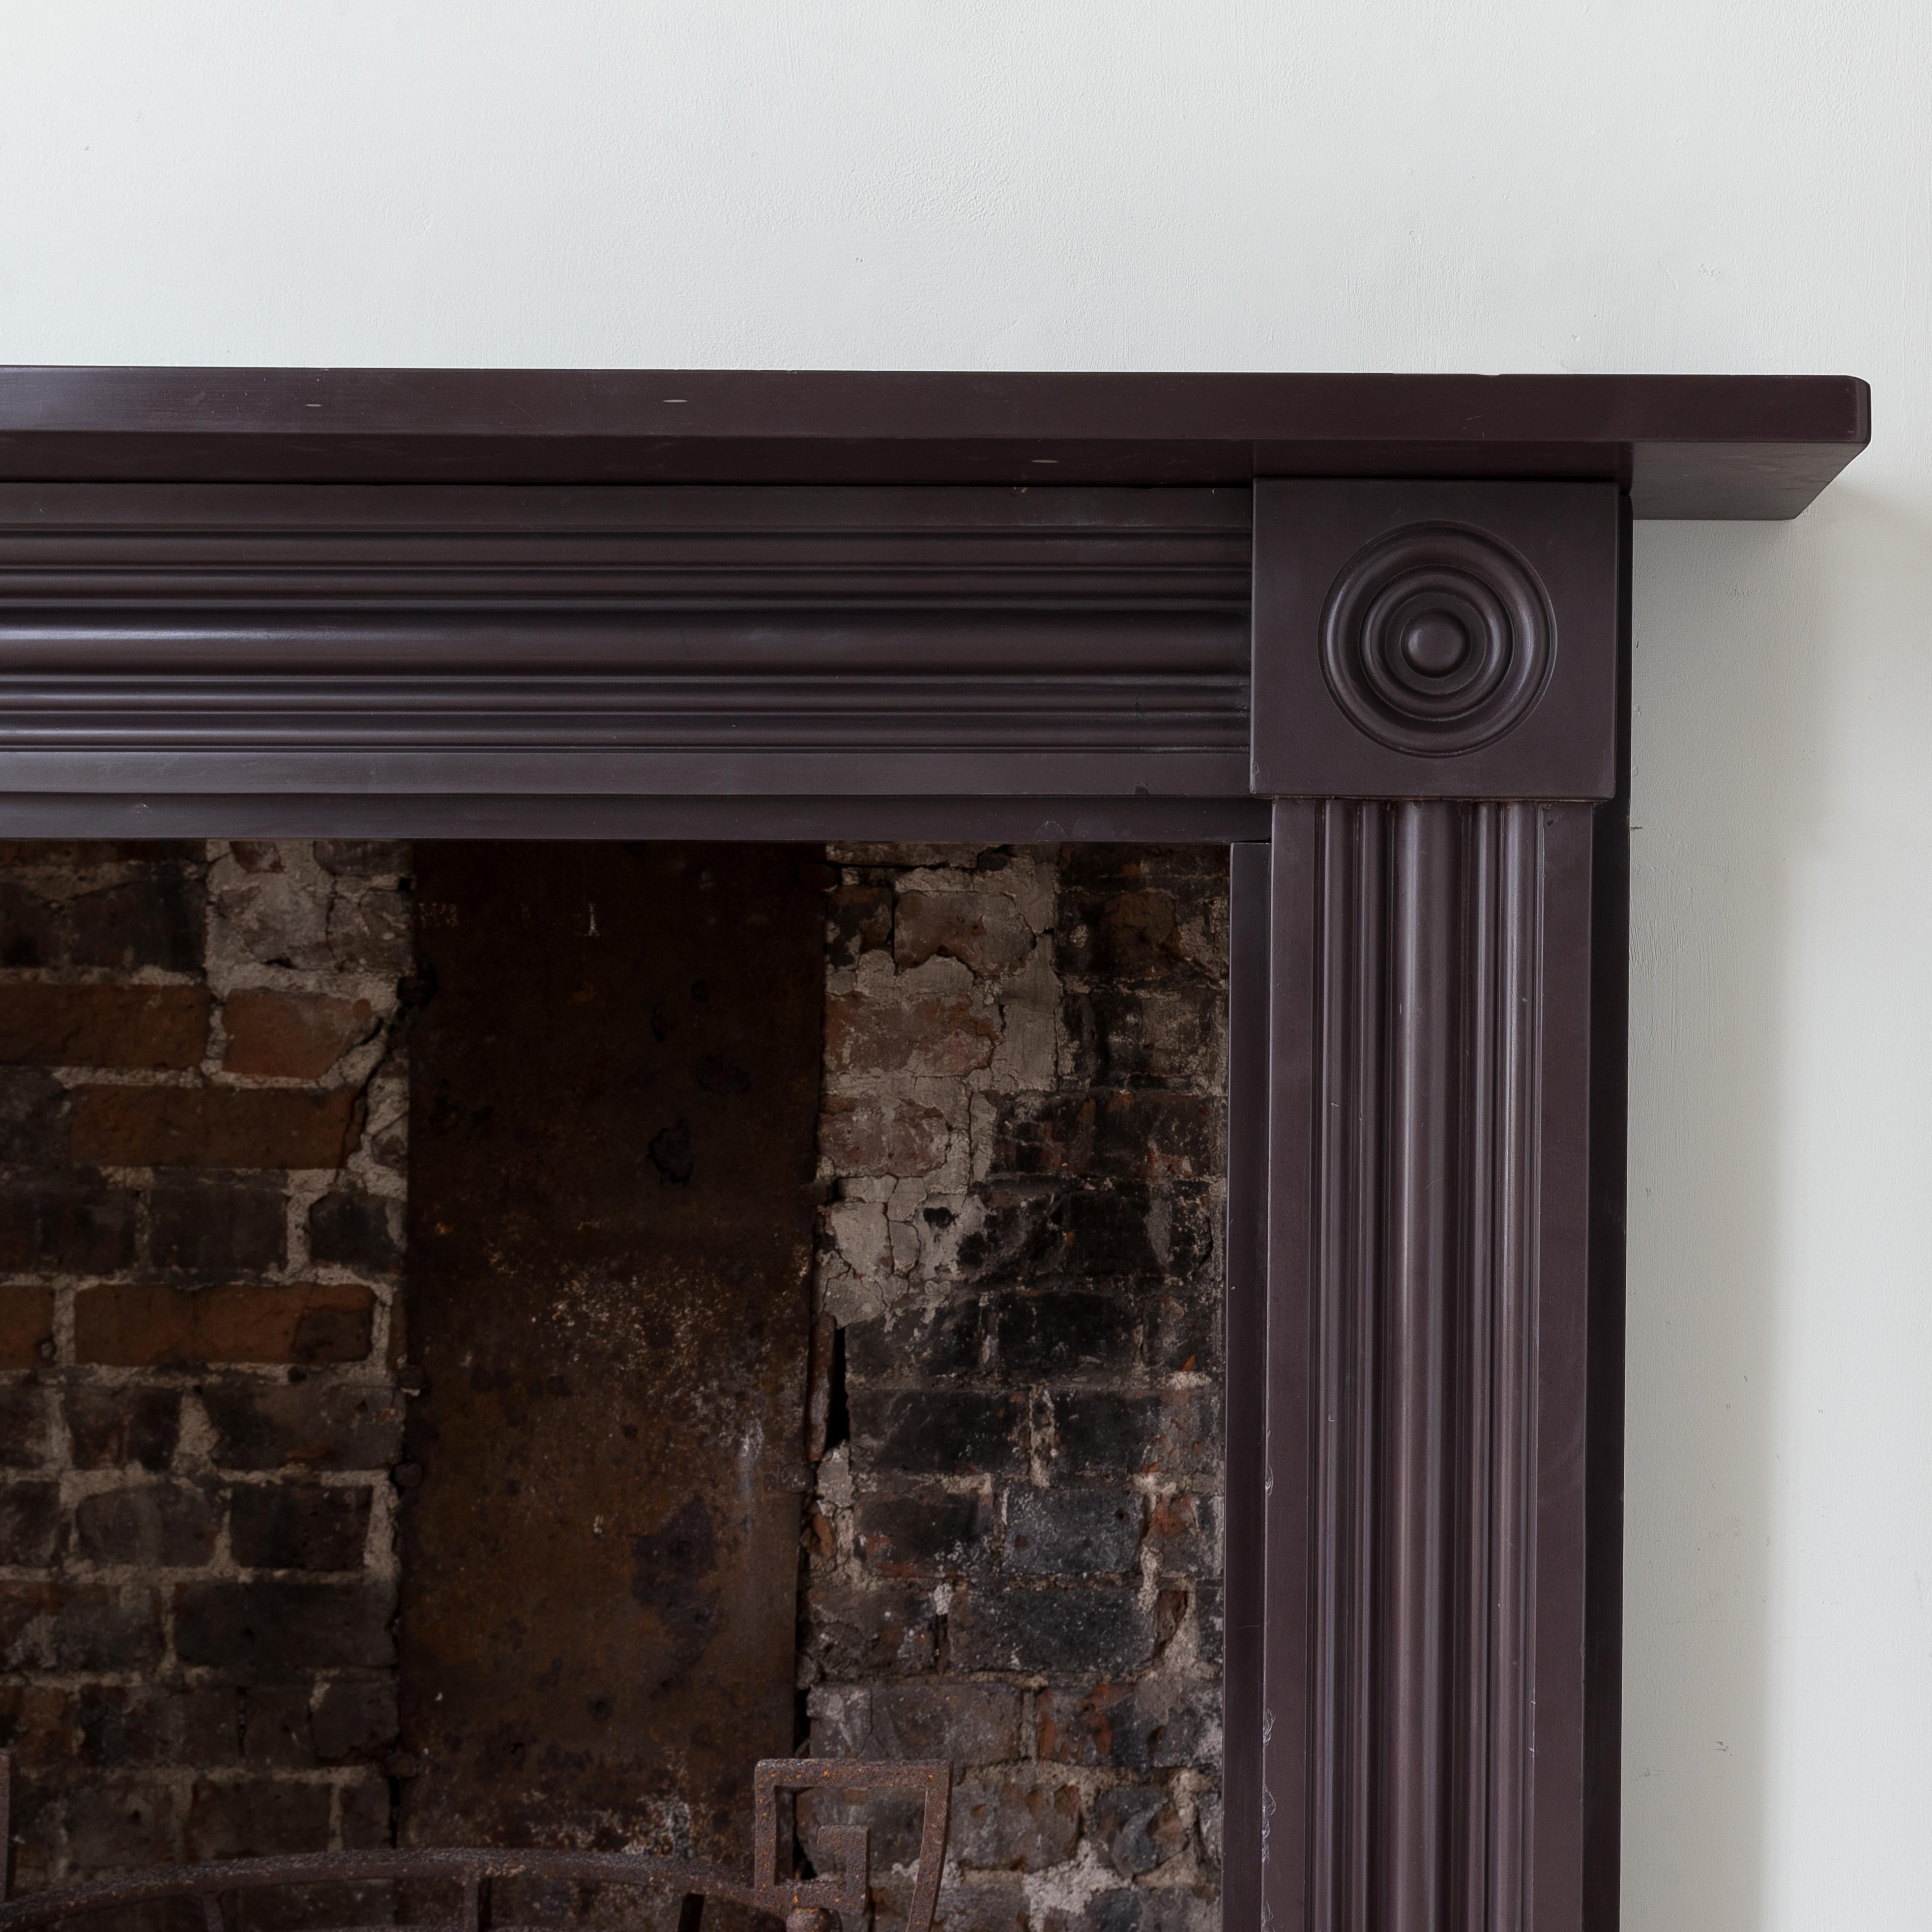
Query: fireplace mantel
1371, 632
1725, 446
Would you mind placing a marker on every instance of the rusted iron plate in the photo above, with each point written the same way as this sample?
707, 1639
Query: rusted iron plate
614, 1090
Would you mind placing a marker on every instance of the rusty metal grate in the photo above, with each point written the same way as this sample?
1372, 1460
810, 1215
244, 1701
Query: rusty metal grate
840, 1903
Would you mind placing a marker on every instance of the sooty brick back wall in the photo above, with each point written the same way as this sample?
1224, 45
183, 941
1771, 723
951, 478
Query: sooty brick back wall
1015, 1558
202, 1108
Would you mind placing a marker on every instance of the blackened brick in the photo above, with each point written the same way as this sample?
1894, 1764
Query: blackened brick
1184, 1332
31, 1523
1102, 1429
133, 1725
1127, 1136
1014, 1826
971, 1724
34, 1115
165, 1524
367, 1816
1210, 1619
1136, 1828
941, 1432
282, 1632
121, 1426
118, 1826
312, 1425
1184, 1533
63, 1626
30, 928
1143, 1037
154, 919
1159, 1723
886, 1631
1143, 913
1072, 1532
257, 1819
275, 1727
352, 1229
1048, 1335
918, 1344
299, 1526
23, 1424
217, 1225
1028, 1230
354, 1719
1174, 1433
1157, 1908
1047, 1631
923, 1534
73, 1221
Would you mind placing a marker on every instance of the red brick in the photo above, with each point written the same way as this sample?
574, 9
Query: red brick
291, 1036
212, 1126
878, 1137
939, 1034
104, 1026
145, 1324
26, 1322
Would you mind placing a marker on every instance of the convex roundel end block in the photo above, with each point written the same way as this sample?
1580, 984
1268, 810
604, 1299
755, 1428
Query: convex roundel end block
1436, 640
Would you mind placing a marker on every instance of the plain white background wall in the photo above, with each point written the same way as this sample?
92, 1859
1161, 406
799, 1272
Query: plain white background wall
1437, 184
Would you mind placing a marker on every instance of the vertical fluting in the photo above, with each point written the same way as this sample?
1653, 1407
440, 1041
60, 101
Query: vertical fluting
1421, 1207
1424, 1361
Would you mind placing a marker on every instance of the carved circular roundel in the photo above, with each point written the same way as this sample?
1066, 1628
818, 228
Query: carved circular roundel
1436, 639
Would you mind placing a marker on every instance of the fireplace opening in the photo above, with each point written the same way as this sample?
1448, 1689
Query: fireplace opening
499, 1338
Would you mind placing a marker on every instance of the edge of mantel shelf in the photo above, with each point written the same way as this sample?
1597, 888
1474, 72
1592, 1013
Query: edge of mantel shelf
1731, 447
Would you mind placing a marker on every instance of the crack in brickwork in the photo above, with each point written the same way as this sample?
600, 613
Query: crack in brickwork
1013, 1558
203, 1109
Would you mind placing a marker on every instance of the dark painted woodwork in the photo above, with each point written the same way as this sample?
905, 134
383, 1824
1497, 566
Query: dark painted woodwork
614, 1086
1681, 445
990, 820
700, 642
1436, 640
1428, 1330
1603, 1450
1427, 969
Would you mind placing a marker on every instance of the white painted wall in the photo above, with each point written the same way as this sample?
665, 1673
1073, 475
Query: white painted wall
1535, 185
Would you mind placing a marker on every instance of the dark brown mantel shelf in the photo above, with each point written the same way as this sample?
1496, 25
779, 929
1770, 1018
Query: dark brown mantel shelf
1684, 446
